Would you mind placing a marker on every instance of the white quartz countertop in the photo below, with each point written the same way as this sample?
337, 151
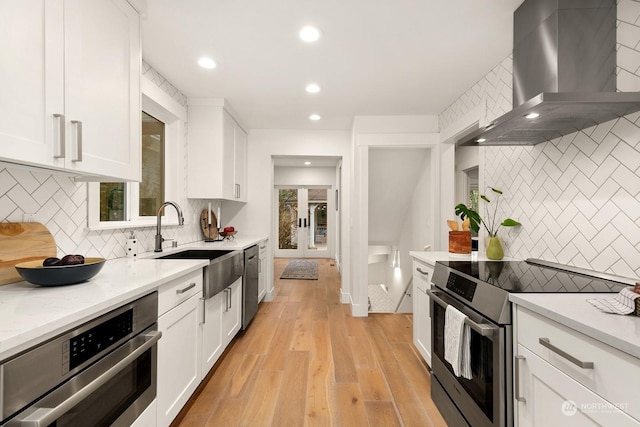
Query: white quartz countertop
573, 310
431, 257
30, 314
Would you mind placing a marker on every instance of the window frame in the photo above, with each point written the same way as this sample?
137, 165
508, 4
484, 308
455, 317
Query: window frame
160, 105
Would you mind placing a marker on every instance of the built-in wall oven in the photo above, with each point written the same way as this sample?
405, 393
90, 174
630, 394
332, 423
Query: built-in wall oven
101, 373
480, 290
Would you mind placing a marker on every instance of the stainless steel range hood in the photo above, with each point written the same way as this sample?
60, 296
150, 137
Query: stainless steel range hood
564, 73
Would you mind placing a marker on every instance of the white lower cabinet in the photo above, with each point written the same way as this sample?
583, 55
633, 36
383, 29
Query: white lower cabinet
552, 398
565, 378
422, 274
212, 331
179, 348
232, 312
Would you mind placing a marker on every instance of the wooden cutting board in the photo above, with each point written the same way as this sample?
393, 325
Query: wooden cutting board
20, 242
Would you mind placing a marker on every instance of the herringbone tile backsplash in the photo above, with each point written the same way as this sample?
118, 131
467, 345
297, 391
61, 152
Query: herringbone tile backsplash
577, 197
60, 203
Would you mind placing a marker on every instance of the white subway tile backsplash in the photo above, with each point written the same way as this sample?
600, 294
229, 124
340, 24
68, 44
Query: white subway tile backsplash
628, 59
582, 191
628, 35
629, 12
628, 204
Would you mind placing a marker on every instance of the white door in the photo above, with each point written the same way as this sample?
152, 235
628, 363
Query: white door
304, 222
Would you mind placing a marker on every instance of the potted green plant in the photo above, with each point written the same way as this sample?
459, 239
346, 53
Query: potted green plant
490, 222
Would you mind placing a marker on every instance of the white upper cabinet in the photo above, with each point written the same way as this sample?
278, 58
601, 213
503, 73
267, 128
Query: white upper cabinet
217, 153
71, 86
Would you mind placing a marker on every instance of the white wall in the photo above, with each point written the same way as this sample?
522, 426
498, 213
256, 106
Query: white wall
257, 216
304, 176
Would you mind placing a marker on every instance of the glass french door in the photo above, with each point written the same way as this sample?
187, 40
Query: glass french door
304, 217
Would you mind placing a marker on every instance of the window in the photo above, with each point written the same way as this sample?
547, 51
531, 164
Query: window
117, 202
133, 204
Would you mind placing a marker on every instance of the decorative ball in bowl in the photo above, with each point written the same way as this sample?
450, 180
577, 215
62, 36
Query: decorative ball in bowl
58, 274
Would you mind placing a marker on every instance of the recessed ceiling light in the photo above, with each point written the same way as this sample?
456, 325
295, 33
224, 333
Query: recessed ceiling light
309, 33
532, 116
314, 117
206, 62
312, 88
481, 139
307, 163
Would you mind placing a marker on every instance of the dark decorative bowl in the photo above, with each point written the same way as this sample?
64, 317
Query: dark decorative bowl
59, 275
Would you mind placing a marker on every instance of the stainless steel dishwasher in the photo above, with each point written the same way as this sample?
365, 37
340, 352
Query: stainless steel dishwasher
250, 285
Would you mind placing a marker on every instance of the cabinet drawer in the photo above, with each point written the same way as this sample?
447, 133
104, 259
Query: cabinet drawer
177, 291
609, 372
422, 275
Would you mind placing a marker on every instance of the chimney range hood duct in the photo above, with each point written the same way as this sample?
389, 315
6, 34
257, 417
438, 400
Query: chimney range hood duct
564, 73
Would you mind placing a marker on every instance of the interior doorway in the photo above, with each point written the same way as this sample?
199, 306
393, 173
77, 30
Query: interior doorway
304, 225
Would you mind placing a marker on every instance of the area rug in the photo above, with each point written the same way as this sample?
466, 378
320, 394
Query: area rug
301, 270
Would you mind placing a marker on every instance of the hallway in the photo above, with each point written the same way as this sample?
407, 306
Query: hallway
304, 361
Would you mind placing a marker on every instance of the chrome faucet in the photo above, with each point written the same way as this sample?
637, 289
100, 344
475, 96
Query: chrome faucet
159, 238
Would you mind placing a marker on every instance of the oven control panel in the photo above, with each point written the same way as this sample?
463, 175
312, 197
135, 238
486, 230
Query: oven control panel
83, 347
461, 286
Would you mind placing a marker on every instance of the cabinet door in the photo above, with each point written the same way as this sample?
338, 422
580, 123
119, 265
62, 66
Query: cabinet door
178, 359
228, 157
232, 311
102, 88
31, 81
548, 397
240, 164
212, 332
421, 309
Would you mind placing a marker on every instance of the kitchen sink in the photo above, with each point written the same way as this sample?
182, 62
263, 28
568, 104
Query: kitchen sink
196, 254
225, 267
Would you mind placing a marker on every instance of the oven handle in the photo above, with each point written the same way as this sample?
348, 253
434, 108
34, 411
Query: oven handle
47, 416
481, 328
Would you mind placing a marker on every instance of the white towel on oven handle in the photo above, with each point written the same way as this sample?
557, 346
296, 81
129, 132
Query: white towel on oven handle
457, 342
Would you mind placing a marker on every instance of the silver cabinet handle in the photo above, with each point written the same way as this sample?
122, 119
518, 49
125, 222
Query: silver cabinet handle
517, 375
237, 191
229, 299
421, 271
61, 143
46, 416
204, 310
545, 342
182, 291
78, 153
482, 328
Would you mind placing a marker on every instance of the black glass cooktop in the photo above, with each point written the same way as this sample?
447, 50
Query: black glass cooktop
522, 276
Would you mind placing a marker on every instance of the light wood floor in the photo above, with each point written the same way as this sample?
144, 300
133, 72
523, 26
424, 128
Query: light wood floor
304, 361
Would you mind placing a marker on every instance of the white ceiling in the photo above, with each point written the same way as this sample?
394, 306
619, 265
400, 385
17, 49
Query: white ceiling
376, 57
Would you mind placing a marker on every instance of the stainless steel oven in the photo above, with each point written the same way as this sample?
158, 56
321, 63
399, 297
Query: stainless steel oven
480, 290
101, 373
483, 398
